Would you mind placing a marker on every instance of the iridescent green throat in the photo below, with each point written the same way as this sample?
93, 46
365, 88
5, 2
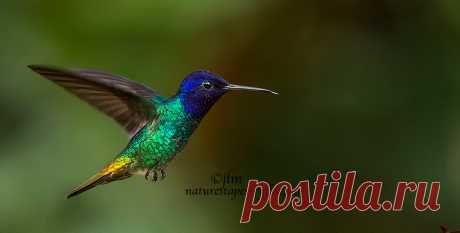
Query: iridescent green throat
158, 142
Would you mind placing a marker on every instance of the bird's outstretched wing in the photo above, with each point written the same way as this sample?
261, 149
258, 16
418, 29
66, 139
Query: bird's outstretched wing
129, 103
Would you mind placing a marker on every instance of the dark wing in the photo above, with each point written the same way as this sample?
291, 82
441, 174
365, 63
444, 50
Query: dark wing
127, 102
444, 229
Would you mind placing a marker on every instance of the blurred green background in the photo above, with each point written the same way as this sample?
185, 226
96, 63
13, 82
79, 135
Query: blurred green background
372, 86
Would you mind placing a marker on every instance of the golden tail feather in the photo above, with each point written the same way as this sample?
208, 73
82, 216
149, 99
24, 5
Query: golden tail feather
117, 170
89, 184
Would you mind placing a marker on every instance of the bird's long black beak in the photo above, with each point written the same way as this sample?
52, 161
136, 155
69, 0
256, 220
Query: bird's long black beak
234, 87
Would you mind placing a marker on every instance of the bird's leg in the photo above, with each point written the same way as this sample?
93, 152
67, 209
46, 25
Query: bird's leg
146, 176
161, 168
151, 174
163, 173
152, 171
155, 173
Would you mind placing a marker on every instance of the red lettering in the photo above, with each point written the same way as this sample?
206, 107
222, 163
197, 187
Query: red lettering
331, 200
374, 198
400, 195
249, 204
348, 191
275, 196
432, 203
301, 202
318, 193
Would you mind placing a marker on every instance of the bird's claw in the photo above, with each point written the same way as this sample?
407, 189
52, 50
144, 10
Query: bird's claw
163, 173
152, 174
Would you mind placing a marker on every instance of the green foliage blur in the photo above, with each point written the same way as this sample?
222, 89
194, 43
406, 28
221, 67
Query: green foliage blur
371, 86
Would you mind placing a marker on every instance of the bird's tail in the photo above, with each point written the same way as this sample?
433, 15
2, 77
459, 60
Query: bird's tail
116, 170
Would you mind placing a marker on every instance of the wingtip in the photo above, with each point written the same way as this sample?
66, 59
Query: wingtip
444, 229
45, 70
33, 66
37, 68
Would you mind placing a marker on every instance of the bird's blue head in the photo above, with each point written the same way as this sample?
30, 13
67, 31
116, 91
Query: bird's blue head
200, 90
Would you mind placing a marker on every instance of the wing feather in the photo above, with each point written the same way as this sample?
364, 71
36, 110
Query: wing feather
127, 102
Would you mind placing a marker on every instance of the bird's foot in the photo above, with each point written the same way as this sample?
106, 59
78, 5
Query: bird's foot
163, 173
153, 174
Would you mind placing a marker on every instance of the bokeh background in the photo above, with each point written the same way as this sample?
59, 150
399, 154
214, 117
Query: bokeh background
372, 86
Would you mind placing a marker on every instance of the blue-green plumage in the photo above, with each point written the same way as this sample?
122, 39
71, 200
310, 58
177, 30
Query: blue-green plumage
162, 138
159, 127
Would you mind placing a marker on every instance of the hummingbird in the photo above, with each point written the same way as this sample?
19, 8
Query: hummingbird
158, 127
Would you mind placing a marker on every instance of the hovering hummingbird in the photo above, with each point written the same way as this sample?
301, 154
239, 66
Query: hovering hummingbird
158, 127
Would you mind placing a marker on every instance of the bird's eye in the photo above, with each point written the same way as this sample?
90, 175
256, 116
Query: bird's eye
207, 85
